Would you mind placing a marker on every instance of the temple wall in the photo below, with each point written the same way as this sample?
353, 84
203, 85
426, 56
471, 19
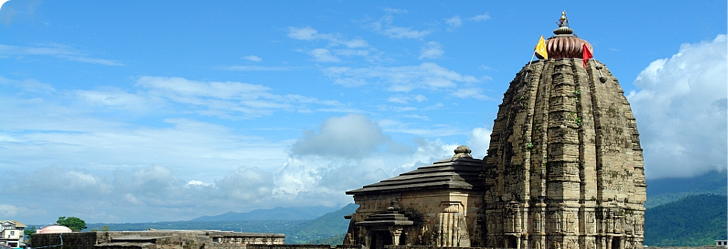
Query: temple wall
432, 210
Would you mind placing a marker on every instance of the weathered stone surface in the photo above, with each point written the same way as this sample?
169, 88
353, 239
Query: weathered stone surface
580, 178
437, 205
156, 239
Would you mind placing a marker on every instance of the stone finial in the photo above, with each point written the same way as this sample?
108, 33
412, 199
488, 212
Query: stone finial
563, 26
563, 21
462, 151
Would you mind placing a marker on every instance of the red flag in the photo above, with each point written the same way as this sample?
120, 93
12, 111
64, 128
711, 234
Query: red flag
585, 54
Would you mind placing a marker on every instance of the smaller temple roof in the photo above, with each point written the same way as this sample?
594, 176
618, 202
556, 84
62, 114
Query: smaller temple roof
391, 217
461, 171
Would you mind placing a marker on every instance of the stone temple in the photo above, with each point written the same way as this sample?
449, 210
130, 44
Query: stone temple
564, 170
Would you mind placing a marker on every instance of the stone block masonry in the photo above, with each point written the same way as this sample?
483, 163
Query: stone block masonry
155, 239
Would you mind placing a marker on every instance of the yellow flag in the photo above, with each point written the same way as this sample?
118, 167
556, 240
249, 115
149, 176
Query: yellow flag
541, 49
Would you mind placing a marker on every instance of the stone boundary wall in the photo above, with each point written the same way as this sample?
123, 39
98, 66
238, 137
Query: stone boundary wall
651, 247
158, 239
68, 240
435, 247
687, 247
305, 246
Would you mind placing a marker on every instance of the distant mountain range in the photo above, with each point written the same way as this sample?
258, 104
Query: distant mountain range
297, 231
667, 190
279, 213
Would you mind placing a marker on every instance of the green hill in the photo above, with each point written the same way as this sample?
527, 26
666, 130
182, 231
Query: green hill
692, 221
279, 213
666, 190
324, 227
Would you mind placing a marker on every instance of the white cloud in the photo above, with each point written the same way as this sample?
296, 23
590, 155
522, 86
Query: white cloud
434, 131
91, 60
474, 93
431, 50
384, 26
198, 183
249, 184
351, 136
323, 55
404, 99
355, 43
400, 79
322, 176
479, 18
453, 22
31, 85
395, 11
225, 99
253, 58
58, 51
305, 33
116, 98
479, 141
351, 47
122, 173
681, 111
256, 68
53, 181
8, 210
311, 34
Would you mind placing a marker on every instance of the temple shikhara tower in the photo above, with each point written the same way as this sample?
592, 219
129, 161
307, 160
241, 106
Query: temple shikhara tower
564, 169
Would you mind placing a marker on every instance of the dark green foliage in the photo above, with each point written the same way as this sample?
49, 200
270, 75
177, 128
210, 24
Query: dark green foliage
74, 223
323, 227
692, 221
30, 230
333, 240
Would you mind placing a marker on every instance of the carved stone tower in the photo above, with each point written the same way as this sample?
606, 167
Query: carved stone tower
564, 168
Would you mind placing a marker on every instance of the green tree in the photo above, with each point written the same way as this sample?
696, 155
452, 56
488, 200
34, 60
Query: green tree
74, 223
29, 231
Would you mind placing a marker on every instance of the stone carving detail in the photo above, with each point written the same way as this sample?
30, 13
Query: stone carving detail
571, 223
639, 225
590, 225
555, 244
589, 244
537, 223
452, 229
555, 222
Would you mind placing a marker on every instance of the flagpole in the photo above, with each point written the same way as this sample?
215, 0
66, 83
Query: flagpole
529, 62
541, 50
529, 65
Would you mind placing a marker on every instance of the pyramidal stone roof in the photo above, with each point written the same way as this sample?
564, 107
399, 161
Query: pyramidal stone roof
461, 171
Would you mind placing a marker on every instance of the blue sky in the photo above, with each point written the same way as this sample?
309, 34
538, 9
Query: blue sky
164, 110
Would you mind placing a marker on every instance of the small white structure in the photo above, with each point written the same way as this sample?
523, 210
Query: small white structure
11, 233
721, 243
